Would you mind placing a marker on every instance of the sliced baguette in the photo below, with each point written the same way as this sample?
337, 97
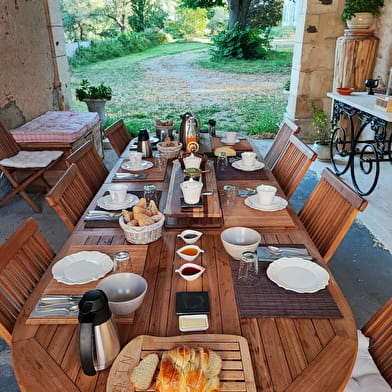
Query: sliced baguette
143, 373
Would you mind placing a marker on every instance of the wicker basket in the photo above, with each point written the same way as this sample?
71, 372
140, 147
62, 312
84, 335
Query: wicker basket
142, 234
169, 152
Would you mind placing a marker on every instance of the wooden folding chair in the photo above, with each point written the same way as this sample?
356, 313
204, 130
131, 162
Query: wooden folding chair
118, 136
70, 196
14, 159
329, 212
90, 165
293, 164
25, 256
281, 140
379, 330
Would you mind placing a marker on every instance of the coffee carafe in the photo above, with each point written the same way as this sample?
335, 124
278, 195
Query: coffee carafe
144, 144
99, 343
185, 126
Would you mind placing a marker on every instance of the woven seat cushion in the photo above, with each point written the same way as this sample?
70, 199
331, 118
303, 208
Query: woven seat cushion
56, 127
31, 159
366, 376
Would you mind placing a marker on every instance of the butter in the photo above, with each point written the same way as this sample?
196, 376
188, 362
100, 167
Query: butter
193, 322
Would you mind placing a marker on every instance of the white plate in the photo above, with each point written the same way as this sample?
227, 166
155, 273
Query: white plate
153, 140
82, 267
107, 203
224, 141
299, 275
278, 203
144, 165
238, 165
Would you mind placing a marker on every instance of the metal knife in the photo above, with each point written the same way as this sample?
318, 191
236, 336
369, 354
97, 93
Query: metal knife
56, 298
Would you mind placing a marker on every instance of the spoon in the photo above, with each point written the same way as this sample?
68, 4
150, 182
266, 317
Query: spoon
71, 309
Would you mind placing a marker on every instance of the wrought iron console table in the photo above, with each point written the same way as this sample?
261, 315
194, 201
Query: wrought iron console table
352, 114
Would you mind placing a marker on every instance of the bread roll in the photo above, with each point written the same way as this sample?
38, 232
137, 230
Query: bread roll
141, 203
153, 207
141, 210
142, 374
143, 220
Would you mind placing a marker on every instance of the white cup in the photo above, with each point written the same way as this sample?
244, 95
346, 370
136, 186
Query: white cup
191, 190
118, 192
266, 194
135, 158
248, 158
231, 137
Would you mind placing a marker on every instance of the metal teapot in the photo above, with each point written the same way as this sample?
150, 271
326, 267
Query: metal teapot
188, 124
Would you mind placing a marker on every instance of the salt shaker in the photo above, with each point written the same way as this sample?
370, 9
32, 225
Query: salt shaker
120, 260
249, 268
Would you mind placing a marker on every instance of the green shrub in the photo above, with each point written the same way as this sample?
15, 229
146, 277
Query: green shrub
242, 43
122, 45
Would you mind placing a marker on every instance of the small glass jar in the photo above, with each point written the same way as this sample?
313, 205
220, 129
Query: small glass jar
159, 160
150, 193
229, 192
221, 161
249, 268
121, 261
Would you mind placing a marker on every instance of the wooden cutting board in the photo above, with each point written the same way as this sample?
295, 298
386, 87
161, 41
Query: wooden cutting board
236, 374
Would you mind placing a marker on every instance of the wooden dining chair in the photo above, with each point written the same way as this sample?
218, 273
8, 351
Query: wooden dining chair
118, 136
31, 164
89, 164
25, 256
379, 330
70, 196
329, 212
293, 164
281, 140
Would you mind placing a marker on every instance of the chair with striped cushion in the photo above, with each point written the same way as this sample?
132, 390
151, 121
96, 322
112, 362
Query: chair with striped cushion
118, 136
329, 212
70, 196
90, 164
293, 164
281, 140
25, 257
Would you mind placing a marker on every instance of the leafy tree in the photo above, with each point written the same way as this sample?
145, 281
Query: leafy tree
146, 14
188, 22
265, 13
218, 18
117, 11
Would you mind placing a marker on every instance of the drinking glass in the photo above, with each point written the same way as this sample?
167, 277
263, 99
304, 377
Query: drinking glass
120, 261
150, 193
221, 161
249, 268
229, 193
159, 160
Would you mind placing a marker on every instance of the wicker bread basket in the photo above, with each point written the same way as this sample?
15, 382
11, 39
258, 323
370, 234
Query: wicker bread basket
142, 234
169, 152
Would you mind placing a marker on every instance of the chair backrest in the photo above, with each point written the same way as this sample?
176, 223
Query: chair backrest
329, 212
25, 256
118, 136
379, 330
89, 164
70, 196
293, 164
8, 145
287, 129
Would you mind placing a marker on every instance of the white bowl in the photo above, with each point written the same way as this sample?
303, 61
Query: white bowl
237, 240
190, 236
125, 291
190, 266
194, 251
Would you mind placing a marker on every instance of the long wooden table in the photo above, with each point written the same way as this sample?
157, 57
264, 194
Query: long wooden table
287, 354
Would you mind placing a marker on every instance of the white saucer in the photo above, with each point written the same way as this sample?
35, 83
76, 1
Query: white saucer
224, 141
107, 203
238, 165
144, 165
278, 203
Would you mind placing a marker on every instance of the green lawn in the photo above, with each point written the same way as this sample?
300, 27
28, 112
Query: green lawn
139, 100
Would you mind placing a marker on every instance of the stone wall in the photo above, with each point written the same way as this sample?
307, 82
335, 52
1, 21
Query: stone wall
34, 69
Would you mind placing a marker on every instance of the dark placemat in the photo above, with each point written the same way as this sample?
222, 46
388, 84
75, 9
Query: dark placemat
230, 173
266, 299
113, 223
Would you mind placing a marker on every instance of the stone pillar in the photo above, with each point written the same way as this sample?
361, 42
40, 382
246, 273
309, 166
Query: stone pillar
318, 27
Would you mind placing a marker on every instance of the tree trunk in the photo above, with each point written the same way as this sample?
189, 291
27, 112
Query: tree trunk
238, 12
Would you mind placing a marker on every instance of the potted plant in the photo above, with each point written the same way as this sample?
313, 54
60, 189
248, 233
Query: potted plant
95, 97
359, 14
321, 138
